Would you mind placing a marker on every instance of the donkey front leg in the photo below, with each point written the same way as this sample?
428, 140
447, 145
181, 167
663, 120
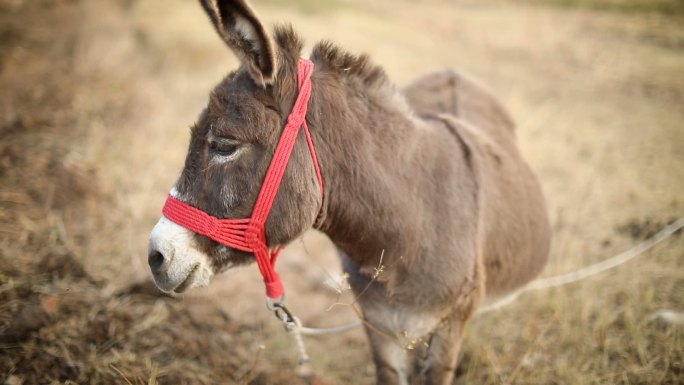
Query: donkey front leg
380, 318
388, 355
392, 329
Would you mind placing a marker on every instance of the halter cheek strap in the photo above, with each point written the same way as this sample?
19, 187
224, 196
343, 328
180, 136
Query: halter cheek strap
249, 234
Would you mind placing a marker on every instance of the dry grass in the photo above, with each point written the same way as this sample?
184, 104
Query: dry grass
639, 6
95, 103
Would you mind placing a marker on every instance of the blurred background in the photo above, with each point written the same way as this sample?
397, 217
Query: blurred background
96, 100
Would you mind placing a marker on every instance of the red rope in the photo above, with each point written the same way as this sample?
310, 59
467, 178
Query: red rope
249, 234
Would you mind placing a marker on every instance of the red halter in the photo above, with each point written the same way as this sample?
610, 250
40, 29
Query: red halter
248, 234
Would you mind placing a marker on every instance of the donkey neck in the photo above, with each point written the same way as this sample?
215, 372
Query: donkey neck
368, 142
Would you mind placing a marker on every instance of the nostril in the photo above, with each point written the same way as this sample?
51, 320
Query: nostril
155, 260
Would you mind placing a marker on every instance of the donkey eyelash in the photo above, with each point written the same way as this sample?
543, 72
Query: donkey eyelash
224, 147
216, 158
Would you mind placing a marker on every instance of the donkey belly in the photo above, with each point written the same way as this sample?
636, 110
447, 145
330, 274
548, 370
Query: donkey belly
512, 216
513, 213
516, 231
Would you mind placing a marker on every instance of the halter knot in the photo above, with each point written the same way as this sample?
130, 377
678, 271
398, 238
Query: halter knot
255, 234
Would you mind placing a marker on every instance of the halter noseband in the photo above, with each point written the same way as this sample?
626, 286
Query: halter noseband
249, 234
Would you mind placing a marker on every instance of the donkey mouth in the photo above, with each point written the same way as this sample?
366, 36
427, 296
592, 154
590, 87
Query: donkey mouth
187, 281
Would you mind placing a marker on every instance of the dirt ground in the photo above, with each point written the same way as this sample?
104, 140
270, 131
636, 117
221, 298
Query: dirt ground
96, 98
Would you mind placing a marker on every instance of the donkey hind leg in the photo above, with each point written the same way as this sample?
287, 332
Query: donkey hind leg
441, 358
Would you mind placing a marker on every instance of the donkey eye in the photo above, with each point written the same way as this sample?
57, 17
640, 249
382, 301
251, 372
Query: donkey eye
223, 147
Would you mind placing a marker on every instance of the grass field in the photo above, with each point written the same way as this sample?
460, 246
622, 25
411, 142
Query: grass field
95, 103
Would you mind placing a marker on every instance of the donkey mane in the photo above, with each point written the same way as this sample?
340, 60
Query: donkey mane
332, 58
339, 61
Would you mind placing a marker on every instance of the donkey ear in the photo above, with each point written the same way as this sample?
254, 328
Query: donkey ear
240, 28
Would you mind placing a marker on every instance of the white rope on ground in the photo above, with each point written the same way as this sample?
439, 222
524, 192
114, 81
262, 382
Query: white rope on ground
542, 283
320, 331
559, 280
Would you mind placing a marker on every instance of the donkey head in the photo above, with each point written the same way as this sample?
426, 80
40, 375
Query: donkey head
231, 146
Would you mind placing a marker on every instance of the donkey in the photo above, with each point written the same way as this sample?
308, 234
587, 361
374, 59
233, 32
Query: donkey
425, 194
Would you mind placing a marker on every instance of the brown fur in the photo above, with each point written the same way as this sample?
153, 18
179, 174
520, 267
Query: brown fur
428, 182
